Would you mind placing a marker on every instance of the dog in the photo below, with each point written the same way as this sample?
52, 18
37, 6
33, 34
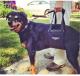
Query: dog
36, 36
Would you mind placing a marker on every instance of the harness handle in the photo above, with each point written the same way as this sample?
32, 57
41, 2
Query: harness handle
56, 10
62, 10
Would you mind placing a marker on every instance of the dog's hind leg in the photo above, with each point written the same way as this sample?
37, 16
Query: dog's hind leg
72, 55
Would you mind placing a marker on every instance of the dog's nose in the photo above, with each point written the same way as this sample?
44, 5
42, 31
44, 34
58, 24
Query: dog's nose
13, 23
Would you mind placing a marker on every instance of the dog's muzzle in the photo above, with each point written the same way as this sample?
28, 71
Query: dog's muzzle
15, 26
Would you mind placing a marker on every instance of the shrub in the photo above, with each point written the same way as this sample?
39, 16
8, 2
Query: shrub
28, 13
10, 55
3, 10
4, 61
25, 11
6, 11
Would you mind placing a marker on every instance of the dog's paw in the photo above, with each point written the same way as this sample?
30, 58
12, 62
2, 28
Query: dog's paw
32, 69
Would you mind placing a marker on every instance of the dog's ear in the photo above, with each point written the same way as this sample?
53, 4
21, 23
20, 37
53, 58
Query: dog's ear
23, 14
23, 17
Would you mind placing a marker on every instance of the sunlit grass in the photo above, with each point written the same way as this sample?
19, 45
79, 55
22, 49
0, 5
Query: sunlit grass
10, 47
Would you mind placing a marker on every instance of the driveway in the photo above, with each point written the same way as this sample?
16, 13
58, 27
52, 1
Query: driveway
21, 67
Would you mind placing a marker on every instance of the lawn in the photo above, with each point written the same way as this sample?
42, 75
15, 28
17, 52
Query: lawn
10, 48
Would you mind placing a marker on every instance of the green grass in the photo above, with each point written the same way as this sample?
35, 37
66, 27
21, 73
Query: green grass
42, 20
75, 15
75, 25
7, 38
9, 41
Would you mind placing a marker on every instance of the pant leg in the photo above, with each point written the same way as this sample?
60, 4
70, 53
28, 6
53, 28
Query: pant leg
59, 56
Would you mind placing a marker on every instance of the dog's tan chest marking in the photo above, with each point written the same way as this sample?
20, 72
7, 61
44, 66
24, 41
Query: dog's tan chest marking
23, 45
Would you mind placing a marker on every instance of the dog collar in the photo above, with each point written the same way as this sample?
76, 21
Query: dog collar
25, 26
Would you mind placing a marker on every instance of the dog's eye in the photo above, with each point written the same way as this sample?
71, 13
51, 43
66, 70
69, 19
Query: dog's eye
10, 16
16, 17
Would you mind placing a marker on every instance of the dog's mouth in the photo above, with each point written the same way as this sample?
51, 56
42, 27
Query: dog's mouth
16, 27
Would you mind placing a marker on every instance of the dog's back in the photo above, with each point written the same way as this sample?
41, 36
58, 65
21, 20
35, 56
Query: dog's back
45, 38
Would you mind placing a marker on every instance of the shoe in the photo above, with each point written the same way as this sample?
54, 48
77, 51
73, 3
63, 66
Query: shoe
54, 67
48, 56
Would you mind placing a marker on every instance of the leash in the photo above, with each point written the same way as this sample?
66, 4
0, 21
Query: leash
38, 16
42, 16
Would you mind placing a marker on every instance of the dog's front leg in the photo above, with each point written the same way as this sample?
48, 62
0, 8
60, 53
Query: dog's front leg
31, 54
32, 68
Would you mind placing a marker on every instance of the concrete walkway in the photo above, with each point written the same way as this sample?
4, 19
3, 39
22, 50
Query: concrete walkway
21, 67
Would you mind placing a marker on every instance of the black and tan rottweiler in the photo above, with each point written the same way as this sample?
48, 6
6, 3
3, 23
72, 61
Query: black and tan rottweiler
37, 36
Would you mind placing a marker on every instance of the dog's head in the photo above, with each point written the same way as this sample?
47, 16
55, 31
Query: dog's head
17, 21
